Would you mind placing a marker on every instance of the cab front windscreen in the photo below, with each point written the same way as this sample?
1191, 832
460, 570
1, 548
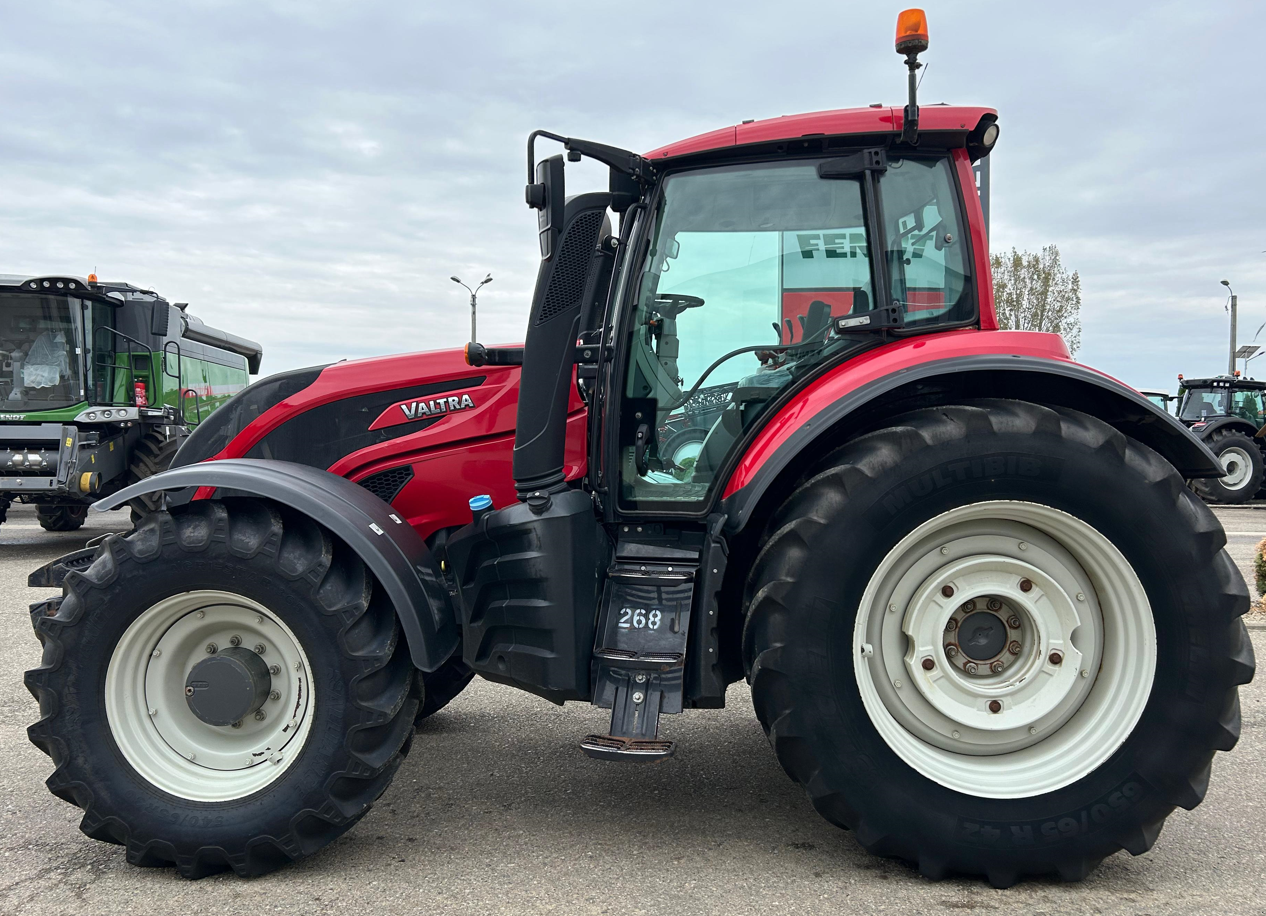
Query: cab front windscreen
41, 352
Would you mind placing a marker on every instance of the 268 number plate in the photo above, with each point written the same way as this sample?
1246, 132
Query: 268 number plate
640, 618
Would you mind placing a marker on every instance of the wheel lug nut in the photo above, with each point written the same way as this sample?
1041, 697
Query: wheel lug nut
928, 664
260, 715
996, 667
947, 591
188, 691
951, 625
970, 667
994, 604
1026, 585
1056, 658
235, 640
212, 648
275, 695
969, 605
260, 648
1013, 622
951, 651
237, 724
274, 670
995, 706
1014, 648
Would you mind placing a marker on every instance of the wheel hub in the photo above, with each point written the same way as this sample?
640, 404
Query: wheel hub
1238, 466
227, 687
1004, 648
209, 695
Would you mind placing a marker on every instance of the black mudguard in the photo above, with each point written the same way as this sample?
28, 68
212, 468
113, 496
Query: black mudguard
1238, 424
388, 545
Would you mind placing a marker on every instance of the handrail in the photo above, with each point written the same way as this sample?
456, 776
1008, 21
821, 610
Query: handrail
178, 376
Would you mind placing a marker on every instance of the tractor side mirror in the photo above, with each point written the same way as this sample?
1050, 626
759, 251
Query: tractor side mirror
548, 197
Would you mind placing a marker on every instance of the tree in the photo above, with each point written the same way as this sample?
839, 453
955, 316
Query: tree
1033, 292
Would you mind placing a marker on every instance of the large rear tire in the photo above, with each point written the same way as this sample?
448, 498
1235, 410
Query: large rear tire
1040, 541
1241, 458
119, 699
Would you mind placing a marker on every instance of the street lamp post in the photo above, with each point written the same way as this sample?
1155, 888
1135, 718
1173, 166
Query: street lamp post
474, 295
1234, 303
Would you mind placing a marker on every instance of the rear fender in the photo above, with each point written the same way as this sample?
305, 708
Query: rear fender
783, 449
393, 551
1238, 424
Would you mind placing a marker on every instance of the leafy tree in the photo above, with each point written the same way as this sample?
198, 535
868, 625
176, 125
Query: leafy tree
1033, 292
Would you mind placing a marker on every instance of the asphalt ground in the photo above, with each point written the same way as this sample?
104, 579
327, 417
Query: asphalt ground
496, 810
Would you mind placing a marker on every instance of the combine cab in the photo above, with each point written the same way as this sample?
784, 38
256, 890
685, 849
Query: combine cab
763, 426
99, 385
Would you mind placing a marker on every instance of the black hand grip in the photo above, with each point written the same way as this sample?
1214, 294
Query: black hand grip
479, 355
642, 442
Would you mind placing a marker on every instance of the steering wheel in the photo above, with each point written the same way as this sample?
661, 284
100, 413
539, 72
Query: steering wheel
670, 305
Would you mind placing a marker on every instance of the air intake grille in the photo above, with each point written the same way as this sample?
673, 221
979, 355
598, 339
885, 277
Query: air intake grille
386, 485
567, 282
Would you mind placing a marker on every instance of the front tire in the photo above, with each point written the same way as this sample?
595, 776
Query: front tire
1241, 458
866, 576
152, 772
62, 518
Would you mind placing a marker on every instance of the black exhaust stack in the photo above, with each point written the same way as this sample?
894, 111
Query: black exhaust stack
570, 232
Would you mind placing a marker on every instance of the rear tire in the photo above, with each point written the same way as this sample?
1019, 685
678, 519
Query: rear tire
62, 518
839, 675
1241, 458
337, 662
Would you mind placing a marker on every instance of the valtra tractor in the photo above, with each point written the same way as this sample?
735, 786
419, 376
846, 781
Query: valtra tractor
986, 625
1227, 412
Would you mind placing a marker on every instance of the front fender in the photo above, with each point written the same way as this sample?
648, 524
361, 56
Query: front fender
388, 545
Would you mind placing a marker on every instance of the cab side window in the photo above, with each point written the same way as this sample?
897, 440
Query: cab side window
926, 251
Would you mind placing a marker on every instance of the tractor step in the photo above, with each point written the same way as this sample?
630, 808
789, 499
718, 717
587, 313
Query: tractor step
629, 750
640, 650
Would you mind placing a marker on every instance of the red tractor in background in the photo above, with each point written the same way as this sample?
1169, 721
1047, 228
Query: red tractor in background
986, 625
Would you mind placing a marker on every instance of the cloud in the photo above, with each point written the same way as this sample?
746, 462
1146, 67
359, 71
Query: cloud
310, 174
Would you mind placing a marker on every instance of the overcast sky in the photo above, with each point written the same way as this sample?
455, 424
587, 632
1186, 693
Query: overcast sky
309, 174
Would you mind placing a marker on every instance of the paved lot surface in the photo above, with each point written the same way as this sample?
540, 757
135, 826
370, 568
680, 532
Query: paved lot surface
497, 811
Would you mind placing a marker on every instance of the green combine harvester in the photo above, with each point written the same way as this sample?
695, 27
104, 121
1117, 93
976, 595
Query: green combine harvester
99, 385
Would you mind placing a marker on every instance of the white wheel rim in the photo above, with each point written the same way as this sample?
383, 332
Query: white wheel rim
1057, 716
1238, 466
157, 731
687, 451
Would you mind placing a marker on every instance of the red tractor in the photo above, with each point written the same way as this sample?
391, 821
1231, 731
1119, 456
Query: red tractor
986, 625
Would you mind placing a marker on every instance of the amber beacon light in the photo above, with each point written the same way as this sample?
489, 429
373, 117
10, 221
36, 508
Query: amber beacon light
912, 32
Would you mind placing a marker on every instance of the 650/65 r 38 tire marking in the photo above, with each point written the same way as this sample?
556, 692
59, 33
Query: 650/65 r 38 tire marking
919, 671
256, 572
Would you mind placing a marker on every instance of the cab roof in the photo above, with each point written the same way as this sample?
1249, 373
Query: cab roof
1223, 381
870, 121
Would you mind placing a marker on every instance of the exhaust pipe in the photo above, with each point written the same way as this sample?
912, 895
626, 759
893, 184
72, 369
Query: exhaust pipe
540, 436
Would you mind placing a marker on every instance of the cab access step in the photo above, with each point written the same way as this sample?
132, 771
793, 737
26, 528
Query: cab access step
640, 652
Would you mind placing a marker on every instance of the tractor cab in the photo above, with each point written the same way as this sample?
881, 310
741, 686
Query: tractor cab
1203, 400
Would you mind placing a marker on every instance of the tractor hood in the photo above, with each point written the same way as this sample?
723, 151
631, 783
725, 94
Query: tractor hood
364, 418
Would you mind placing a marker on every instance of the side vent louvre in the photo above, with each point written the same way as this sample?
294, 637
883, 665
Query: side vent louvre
386, 485
567, 284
